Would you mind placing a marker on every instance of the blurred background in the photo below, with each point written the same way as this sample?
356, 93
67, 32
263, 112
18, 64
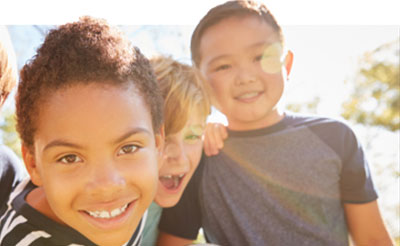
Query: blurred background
346, 64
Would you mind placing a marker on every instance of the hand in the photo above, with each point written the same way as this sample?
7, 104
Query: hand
214, 137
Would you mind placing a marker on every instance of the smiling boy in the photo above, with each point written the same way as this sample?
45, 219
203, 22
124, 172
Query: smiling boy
281, 178
89, 114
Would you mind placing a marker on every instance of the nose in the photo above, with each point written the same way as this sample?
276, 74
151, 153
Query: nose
244, 75
174, 152
106, 180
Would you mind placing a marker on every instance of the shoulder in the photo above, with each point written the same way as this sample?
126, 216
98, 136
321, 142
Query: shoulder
150, 231
322, 126
334, 132
295, 119
10, 163
14, 225
12, 172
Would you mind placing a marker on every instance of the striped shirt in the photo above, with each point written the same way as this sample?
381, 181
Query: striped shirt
22, 225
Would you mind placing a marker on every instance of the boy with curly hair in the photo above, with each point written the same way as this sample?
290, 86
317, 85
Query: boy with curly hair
89, 113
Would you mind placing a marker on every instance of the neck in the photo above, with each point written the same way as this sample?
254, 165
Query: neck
37, 199
271, 119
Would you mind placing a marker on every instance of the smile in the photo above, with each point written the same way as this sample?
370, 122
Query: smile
103, 214
171, 182
249, 96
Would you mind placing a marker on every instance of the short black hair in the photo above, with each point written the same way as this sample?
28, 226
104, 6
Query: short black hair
238, 8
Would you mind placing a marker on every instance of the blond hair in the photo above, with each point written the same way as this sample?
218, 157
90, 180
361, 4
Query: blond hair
8, 77
182, 92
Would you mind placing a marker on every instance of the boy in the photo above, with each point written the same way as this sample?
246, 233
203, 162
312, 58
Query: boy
89, 114
281, 179
184, 97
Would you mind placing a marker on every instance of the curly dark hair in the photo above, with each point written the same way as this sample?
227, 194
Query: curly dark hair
84, 52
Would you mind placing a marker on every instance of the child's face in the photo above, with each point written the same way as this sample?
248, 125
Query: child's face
182, 152
241, 58
96, 160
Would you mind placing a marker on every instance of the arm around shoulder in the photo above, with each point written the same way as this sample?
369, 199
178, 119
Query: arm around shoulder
365, 224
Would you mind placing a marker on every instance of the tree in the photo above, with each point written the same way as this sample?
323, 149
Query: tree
8, 132
375, 100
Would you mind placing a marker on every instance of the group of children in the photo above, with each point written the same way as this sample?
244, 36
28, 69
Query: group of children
110, 137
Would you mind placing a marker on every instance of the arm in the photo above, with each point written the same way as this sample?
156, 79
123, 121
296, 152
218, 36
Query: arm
165, 239
12, 171
365, 224
214, 137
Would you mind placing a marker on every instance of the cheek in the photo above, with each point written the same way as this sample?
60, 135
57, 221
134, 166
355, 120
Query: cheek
219, 81
62, 196
144, 174
194, 154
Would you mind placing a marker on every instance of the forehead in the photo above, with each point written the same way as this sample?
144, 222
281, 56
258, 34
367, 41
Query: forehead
235, 34
197, 115
84, 112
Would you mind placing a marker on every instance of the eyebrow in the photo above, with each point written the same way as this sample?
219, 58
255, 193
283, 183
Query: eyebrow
260, 44
195, 127
65, 143
134, 131
61, 143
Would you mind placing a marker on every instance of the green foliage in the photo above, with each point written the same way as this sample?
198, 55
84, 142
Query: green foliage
308, 107
375, 100
9, 134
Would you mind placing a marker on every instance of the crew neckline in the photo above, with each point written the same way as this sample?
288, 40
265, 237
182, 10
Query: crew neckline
261, 131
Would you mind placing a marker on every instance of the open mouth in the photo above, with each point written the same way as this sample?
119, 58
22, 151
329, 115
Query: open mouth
171, 182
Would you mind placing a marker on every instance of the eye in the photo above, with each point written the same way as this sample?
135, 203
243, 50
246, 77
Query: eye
128, 149
258, 58
192, 138
69, 159
222, 67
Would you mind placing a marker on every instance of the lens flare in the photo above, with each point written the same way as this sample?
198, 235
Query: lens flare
271, 61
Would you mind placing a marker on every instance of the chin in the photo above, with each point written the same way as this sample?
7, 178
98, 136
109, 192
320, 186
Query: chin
111, 242
168, 202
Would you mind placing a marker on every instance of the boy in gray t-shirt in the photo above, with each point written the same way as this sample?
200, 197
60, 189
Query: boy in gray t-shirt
281, 179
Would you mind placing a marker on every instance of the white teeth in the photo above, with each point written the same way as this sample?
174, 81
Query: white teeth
107, 215
104, 215
115, 212
248, 95
170, 176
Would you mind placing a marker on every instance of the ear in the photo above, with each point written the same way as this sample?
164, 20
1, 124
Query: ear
160, 139
30, 164
288, 62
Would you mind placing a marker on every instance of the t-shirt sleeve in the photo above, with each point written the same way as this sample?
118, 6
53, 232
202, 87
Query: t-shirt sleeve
356, 185
12, 172
184, 219
356, 180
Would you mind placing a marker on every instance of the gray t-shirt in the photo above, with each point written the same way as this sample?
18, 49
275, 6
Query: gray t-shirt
280, 185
